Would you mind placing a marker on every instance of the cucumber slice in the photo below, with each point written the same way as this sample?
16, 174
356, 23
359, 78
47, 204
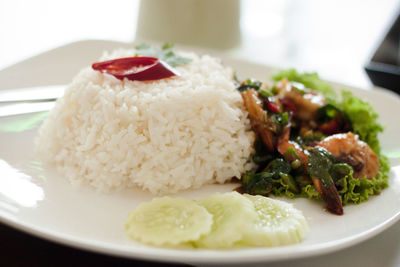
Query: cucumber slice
168, 221
279, 223
231, 212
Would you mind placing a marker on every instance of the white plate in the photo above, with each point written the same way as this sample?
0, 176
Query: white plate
42, 202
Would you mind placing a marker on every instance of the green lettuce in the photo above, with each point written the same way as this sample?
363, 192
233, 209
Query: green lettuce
363, 117
358, 190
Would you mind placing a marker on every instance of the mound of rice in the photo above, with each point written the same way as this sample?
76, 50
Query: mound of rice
163, 136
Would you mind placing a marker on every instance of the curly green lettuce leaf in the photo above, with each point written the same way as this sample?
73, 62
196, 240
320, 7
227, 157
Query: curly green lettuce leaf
358, 190
363, 118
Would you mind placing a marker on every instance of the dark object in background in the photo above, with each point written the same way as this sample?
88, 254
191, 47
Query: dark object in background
384, 67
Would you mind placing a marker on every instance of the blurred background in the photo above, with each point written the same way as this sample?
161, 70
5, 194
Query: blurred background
335, 38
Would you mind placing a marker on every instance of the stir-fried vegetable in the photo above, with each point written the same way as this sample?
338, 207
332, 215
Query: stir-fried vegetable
312, 151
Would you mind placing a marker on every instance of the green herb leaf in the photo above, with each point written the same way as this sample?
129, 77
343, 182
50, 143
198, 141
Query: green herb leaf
320, 162
167, 46
276, 167
340, 170
249, 84
265, 93
257, 183
165, 54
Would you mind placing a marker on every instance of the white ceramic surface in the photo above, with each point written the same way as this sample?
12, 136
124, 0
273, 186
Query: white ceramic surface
40, 201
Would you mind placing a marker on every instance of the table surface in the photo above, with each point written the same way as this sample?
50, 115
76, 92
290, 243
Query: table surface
334, 38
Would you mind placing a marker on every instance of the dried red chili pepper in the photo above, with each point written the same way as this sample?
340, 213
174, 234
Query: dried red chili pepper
136, 68
330, 127
271, 107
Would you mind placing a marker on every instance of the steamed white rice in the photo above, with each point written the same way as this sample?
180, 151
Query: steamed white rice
162, 136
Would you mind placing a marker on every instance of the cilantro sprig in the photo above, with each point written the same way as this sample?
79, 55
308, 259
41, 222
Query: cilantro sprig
166, 54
